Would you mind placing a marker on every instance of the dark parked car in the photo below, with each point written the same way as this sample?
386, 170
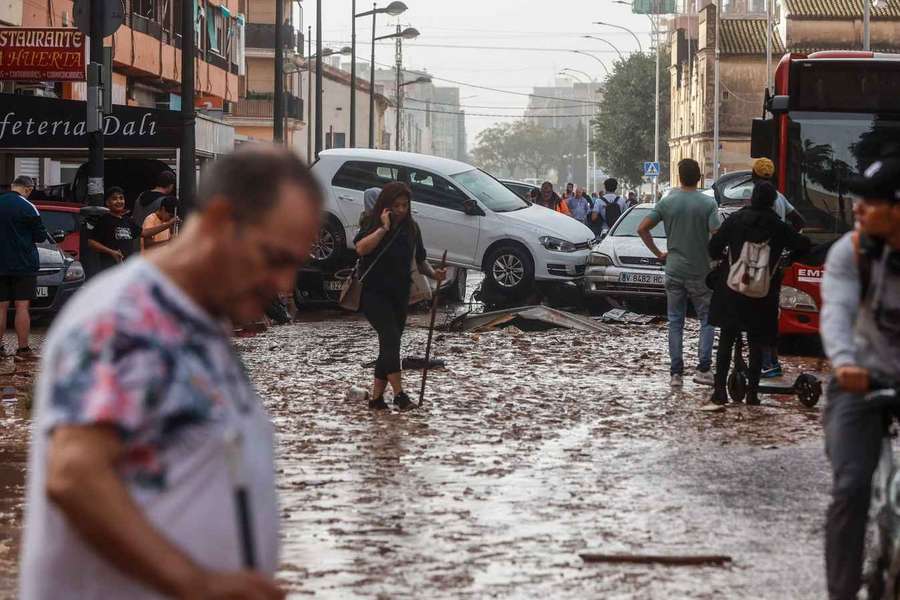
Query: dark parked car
59, 277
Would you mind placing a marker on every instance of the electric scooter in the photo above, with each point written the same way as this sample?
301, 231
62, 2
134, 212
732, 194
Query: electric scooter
806, 387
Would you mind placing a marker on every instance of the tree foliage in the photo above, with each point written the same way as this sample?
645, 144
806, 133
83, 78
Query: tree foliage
524, 149
624, 127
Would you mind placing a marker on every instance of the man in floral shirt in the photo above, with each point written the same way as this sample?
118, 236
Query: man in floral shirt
146, 422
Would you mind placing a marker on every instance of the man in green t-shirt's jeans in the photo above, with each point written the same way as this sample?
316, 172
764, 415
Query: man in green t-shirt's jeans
689, 217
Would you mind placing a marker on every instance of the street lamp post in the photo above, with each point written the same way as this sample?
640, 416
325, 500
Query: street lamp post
633, 34
717, 93
589, 134
610, 44
410, 33
278, 101
595, 57
318, 77
393, 9
318, 93
400, 86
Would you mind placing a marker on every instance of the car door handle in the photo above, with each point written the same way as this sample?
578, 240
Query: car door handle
415, 212
347, 198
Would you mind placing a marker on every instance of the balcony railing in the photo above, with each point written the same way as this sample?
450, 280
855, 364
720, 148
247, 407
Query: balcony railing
262, 35
263, 107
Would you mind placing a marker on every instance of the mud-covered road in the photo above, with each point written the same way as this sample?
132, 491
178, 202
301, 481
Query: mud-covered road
531, 448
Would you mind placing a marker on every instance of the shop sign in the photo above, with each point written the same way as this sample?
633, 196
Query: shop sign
35, 122
42, 54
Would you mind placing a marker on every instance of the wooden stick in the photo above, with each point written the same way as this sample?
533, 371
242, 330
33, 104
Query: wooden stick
701, 559
434, 303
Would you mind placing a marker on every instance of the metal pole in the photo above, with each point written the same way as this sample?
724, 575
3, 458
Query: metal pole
353, 79
94, 117
186, 163
867, 14
372, 82
656, 117
399, 58
318, 78
770, 85
309, 95
278, 103
717, 95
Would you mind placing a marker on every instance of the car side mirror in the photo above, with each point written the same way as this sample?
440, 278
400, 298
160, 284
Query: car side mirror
59, 236
471, 208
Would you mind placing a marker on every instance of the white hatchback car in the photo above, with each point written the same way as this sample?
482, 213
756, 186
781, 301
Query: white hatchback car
479, 222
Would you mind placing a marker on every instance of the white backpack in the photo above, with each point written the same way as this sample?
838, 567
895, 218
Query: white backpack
750, 274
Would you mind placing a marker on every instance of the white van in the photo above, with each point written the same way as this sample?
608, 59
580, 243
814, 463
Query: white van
461, 209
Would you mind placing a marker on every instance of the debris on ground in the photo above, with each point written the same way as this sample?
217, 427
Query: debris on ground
526, 318
620, 315
662, 559
414, 363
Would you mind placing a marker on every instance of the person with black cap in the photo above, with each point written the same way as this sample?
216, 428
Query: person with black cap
21, 228
860, 329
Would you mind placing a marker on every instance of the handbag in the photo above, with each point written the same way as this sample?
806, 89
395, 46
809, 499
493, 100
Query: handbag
420, 290
351, 288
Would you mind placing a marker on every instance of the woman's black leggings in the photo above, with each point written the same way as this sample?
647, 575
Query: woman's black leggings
387, 314
727, 338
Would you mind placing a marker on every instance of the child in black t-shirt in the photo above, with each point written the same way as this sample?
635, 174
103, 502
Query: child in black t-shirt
114, 237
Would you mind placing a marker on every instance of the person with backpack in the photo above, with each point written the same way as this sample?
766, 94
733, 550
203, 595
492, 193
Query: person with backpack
860, 330
745, 286
610, 207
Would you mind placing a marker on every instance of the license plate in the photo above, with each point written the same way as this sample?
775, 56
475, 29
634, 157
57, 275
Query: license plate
645, 278
42, 292
333, 286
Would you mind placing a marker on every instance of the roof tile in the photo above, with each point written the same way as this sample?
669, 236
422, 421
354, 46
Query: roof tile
747, 36
842, 9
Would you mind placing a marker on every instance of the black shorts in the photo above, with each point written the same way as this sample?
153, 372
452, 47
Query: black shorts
17, 287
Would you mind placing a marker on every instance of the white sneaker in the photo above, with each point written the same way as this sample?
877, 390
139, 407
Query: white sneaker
677, 381
704, 378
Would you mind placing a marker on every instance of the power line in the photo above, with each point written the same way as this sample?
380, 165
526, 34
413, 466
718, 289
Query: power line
416, 44
501, 107
468, 114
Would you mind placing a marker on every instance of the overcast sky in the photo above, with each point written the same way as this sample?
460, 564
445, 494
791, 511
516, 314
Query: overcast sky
553, 28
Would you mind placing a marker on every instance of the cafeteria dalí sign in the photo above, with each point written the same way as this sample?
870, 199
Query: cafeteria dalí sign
35, 122
41, 54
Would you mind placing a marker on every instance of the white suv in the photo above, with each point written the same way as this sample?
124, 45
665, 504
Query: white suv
461, 209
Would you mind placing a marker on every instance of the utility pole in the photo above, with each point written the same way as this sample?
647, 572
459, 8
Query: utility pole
309, 96
94, 116
399, 58
716, 94
770, 84
318, 77
867, 16
372, 83
353, 78
278, 102
656, 117
186, 167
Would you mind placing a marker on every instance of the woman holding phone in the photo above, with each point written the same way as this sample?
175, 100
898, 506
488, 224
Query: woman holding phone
387, 244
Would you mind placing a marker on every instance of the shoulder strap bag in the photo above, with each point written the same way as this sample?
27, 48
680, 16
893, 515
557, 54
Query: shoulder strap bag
351, 288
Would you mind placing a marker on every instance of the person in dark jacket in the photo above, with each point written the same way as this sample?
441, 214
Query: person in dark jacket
388, 245
148, 202
21, 228
734, 312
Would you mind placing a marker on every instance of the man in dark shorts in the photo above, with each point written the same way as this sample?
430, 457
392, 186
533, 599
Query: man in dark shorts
115, 236
21, 229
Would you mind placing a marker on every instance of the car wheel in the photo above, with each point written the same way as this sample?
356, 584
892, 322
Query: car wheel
328, 246
510, 269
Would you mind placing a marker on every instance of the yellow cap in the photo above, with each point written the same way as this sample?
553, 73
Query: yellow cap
763, 167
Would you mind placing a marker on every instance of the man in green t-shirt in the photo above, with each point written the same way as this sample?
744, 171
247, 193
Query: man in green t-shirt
689, 217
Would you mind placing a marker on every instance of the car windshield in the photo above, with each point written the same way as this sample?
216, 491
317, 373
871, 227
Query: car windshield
58, 220
627, 227
489, 191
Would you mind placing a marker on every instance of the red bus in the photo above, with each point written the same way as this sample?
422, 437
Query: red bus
832, 114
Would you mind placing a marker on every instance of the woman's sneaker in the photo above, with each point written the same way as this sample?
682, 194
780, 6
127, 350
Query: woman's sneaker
403, 402
378, 403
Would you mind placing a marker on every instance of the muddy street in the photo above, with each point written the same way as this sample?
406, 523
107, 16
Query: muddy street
531, 448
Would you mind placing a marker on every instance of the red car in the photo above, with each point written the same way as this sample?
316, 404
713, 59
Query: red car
62, 217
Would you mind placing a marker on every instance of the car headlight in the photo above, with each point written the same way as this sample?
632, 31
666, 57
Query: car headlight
74, 272
556, 244
599, 260
794, 299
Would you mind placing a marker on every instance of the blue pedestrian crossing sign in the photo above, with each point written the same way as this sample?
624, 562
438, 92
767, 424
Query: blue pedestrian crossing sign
651, 169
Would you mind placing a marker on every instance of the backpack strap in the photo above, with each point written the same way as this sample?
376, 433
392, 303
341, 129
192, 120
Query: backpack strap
863, 263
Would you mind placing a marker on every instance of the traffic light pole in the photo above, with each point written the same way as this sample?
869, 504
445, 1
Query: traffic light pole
186, 164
